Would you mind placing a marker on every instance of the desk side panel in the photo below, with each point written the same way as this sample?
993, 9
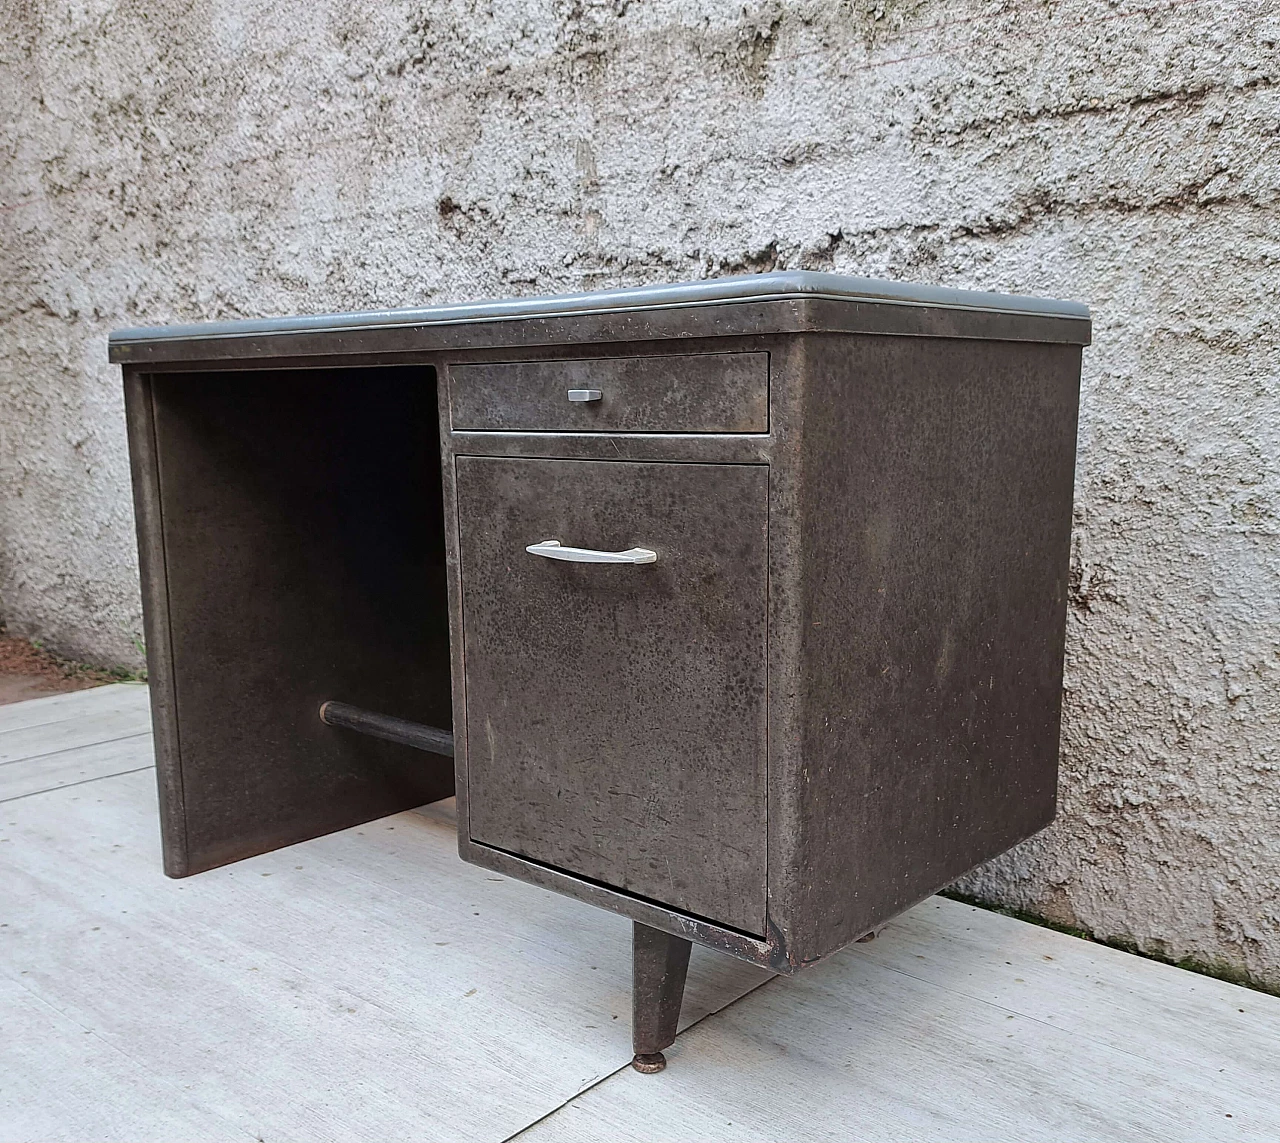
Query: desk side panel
937, 516
140, 425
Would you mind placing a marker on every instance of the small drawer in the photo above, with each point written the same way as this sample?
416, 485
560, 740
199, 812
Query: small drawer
692, 393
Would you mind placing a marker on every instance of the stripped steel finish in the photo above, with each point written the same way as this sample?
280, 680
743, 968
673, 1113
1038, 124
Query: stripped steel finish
740, 604
629, 657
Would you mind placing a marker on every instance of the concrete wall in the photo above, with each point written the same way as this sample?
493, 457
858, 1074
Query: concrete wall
174, 160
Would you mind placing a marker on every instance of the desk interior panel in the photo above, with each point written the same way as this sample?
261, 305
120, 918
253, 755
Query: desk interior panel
304, 551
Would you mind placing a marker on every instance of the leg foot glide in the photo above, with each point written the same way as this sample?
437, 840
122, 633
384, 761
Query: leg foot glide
649, 1062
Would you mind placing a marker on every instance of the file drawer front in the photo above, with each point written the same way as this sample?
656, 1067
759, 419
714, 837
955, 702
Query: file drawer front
615, 681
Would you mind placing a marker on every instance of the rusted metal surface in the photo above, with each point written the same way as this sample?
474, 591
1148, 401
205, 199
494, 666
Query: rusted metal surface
144, 460
936, 518
656, 915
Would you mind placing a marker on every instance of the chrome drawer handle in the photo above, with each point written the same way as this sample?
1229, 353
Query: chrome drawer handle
553, 550
585, 394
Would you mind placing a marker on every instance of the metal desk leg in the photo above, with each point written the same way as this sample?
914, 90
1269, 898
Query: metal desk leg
659, 964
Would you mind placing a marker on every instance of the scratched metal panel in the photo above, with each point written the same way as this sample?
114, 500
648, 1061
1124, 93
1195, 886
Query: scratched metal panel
936, 506
616, 713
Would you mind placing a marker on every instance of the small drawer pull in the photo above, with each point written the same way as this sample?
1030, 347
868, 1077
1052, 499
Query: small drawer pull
553, 550
585, 394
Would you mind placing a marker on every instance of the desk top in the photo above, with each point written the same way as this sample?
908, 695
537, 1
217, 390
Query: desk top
1043, 319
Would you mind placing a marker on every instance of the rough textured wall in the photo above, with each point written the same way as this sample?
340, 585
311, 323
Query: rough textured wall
174, 160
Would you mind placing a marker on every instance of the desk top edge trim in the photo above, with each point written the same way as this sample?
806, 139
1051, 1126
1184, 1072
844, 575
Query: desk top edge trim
771, 287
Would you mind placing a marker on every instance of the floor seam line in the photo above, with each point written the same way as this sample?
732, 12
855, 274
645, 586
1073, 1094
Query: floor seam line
83, 782
409, 894
561, 1106
81, 746
618, 1071
58, 721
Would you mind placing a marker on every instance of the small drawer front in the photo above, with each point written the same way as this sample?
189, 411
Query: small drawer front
692, 393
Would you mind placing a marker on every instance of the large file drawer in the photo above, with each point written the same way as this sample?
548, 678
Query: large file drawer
615, 712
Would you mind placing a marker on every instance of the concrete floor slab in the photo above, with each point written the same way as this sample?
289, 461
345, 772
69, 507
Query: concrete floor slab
369, 985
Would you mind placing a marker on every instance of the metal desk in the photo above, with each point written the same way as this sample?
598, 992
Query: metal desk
739, 604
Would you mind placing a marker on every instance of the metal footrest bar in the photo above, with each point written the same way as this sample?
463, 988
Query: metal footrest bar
370, 722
